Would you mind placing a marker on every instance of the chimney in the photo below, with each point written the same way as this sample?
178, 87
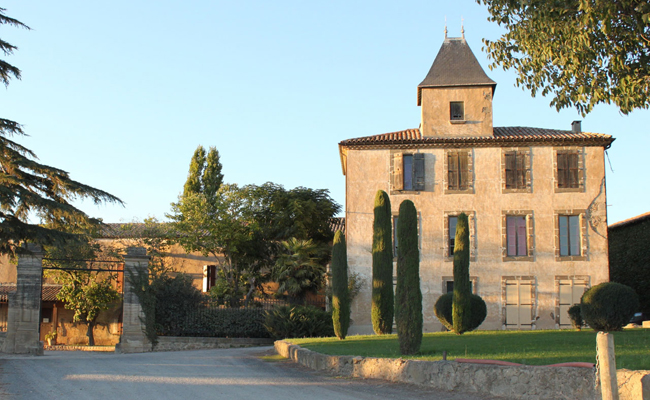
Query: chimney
576, 126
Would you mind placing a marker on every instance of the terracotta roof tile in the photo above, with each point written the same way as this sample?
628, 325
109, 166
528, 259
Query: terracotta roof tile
48, 292
502, 135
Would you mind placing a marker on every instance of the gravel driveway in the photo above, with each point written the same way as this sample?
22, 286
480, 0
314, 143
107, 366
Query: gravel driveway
189, 375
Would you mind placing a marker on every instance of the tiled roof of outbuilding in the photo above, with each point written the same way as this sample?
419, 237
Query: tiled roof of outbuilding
630, 221
455, 65
48, 292
512, 135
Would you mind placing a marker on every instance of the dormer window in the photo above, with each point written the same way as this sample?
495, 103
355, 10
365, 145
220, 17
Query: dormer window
456, 111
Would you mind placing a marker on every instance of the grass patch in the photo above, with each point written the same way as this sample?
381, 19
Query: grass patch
524, 347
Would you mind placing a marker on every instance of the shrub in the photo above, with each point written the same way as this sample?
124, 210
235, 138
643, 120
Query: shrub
408, 297
383, 301
443, 310
176, 298
298, 322
575, 316
340, 292
224, 322
608, 306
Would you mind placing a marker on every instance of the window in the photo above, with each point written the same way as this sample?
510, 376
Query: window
569, 226
459, 171
448, 284
517, 235
519, 301
516, 170
450, 221
570, 235
456, 111
407, 172
209, 277
569, 291
569, 171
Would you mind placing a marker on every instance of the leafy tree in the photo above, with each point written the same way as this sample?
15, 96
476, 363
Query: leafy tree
297, 270
461, 304
340, 289
85, 292
382, 266
408, 296
205, 174
29, 188
580, 52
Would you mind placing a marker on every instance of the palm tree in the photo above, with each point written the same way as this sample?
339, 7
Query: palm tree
297, 270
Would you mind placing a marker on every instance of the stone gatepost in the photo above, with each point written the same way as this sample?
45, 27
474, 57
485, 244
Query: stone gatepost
133, 339
23, 319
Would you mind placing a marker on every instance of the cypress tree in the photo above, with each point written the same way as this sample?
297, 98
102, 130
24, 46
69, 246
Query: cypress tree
383, 301
461, 305
193, 183
212, 176
340, 292
408, 296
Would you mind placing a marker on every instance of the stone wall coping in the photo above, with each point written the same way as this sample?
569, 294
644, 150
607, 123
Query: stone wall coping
513, 382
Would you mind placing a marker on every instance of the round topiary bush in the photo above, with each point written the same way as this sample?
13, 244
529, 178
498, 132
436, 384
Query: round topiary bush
608, 306
575, 316
443, 308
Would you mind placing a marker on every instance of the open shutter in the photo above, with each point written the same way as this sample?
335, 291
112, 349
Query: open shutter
510, 170
398, 174
463, 159
562, 170
452, 171
418, 171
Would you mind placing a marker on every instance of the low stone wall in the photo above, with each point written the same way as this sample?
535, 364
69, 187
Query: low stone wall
513, 382
177, 343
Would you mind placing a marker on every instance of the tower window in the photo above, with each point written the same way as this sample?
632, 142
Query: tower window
456, 111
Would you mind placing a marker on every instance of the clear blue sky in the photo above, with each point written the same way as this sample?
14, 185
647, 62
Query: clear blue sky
121, 93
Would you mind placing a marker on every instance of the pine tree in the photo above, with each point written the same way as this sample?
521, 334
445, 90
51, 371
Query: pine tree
382, 266
461, 305
340, 292
29, 188
408, 296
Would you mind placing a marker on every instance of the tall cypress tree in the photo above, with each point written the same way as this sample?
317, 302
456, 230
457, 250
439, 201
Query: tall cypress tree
340, 292
461, 304
212, 176
193, 183
408, 296
382, 266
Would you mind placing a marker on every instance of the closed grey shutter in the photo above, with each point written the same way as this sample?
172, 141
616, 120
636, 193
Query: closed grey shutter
573, 171
562, 168
418, 171
398, 175
510, 170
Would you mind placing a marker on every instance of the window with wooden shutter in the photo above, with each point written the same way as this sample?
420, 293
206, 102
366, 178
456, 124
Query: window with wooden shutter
516, 235
398, 177
418, 171
569, 292
463, 175
516, 173
519, 301
459, 171
453, 171
569, 171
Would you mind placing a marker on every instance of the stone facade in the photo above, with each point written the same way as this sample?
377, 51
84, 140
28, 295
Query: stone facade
528, 274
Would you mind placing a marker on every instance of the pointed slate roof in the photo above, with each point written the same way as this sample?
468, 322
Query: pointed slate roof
455, 65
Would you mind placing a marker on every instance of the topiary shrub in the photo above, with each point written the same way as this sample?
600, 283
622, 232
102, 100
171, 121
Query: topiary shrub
408, 296
298, 322
443, 307
575, 316
383, 301
340, 291
608, 306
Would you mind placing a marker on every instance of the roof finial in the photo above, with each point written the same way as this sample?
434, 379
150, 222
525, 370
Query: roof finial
462, 29
445, 27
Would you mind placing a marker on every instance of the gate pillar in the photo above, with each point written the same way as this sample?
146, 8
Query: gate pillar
133, 339
23, 318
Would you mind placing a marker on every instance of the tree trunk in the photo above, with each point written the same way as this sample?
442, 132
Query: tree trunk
89, 333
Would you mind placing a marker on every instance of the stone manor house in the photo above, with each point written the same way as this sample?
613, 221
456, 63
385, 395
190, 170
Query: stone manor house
535, 199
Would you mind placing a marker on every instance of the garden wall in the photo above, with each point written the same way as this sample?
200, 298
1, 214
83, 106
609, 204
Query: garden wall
177, 343
513, 382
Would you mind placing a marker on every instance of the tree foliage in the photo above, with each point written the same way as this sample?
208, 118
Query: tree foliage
340, 287
29, 188
579, 52
608, 306
297, 269
85, 292
408, 296
383, 301
461, 304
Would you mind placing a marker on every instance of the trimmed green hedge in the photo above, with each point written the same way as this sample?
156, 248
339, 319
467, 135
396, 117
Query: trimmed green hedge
575, 315
298, 322
443, 311
608, 306
222, 322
